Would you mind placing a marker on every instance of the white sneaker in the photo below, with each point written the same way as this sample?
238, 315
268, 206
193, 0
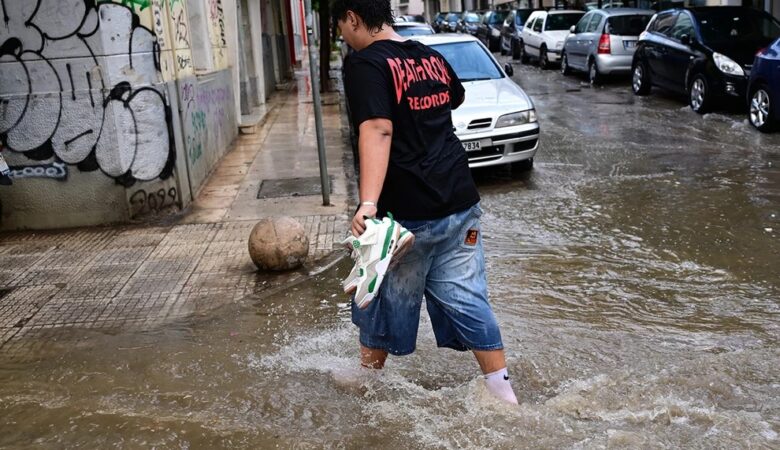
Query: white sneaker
372, 252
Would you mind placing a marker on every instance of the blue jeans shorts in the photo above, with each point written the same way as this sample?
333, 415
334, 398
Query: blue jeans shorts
447, 266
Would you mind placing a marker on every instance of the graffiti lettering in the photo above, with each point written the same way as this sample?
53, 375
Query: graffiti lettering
195, 148
183, 61
218, 18
181, 30
187, 92
157, 14
55, 171
121, 129
142, 202
173, 3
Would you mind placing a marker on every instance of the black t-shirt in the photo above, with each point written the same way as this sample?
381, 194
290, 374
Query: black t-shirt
412, 85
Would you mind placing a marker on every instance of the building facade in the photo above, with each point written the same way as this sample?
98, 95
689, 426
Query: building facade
110, 111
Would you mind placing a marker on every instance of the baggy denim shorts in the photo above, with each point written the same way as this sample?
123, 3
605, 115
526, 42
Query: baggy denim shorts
447, 266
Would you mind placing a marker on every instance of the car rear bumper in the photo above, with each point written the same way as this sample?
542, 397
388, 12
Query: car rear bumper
506, 146
614, 64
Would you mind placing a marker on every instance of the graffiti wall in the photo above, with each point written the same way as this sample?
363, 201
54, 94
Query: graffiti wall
79, 83
88, 101
208, 121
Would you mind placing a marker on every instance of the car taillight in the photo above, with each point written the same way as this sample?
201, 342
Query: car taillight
604, 44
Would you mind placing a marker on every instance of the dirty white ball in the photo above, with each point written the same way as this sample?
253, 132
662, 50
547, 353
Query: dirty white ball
278, 243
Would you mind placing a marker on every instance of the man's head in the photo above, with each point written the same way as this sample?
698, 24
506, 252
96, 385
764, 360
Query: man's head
361, 20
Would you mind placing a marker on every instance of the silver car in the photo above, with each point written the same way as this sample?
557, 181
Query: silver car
603, 42
497, 121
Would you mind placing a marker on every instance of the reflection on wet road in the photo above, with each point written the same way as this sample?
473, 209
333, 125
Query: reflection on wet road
634, 273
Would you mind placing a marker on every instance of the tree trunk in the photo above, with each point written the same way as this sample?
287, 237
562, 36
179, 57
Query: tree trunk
324, 45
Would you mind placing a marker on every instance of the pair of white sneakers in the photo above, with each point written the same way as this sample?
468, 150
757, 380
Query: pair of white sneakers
376, 250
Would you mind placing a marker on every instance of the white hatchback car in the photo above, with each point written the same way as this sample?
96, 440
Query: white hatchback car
544, 34
497, 121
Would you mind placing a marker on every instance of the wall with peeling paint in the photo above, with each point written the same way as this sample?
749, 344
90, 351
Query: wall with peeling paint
90, 92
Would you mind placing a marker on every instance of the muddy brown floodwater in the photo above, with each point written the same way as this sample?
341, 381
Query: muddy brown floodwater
634, 273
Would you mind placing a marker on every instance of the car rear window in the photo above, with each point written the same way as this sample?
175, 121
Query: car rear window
413, 31
627, 25
471, 18
469, 60
562, 21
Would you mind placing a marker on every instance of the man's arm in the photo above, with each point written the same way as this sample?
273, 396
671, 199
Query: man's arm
374, 150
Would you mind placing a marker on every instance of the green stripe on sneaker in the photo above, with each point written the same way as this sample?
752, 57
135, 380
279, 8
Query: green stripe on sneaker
372, 285
388, 238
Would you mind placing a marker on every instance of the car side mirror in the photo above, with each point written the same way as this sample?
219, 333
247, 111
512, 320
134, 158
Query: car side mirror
572, 29
509, 69
685, 39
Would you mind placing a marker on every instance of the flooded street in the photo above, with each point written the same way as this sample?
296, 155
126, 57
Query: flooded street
634, 273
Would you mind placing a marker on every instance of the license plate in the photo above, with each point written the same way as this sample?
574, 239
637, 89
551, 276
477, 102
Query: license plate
629, 44
471, 146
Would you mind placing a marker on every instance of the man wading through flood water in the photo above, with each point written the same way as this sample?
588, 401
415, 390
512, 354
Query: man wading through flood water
400, 95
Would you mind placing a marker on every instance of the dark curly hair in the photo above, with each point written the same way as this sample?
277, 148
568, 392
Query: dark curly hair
374, 13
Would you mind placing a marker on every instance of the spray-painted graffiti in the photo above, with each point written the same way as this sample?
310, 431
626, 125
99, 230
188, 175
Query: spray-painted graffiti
217, 16
157, 17
142, 202
183, 61
78, 85
206, 102
55, 171
180, 27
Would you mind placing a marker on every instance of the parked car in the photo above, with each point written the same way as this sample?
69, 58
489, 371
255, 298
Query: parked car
469, 23
512, 31
412, 28
438, 20
497, 122
450, 24
489, 30
544, 33
603, 42
417, 18
764, 89
704, 52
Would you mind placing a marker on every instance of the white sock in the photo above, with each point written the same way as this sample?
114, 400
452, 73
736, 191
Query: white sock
498, 384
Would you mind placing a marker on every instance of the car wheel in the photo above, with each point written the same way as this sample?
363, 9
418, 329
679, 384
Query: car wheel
544, 63
700, 98
522, 166
516, 50
594, 76
565, 69
523, 54
760, 114
640, 79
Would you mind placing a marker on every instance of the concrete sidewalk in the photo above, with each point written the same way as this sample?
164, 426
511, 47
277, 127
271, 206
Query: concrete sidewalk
139, 277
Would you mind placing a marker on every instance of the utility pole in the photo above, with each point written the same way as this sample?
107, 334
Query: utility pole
315, 89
